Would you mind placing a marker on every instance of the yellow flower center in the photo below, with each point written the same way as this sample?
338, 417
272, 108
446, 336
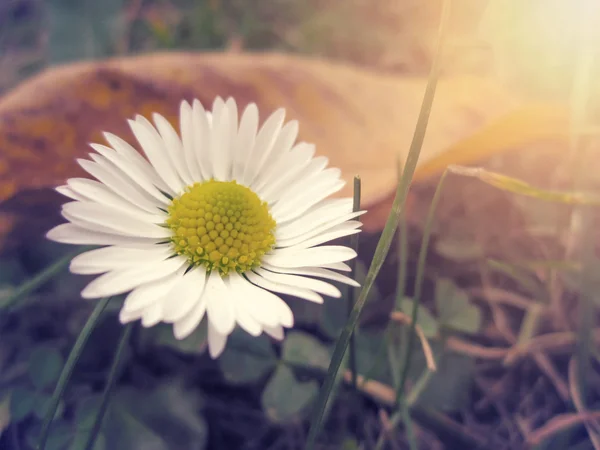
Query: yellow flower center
221, 225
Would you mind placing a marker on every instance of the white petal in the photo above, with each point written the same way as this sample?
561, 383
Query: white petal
108, 174
174, 148
284, 288
263, 145
315, 256
317, 236
187, 129
104, 219
264, 306
220, 143
154, 148
302, 282
150, 293
217, 107
220, 308
185, 295
142, 175
293, 179
68, 192
123, 148
99, 193
68, 233
337, 266
152, 315
323, 215
283, 172
290, 234
275, 332
216, 341
244, 318
281, 149
130, 316
121, 281
201, 135
244, 142
318, 272
117, 257
296, 204
185, 326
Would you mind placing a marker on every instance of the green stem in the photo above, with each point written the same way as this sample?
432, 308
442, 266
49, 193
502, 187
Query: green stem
387, 236
110, 384
40, 279
420, 276
352, 296
67, 371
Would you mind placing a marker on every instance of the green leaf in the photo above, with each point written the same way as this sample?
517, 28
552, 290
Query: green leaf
45, 365
448, 388
164, 418
302, 349
454, 308
372, 357
246, 358
162, 335
284, 397
22, 402
425, 320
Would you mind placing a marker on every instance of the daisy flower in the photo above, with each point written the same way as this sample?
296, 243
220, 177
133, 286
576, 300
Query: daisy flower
216, 220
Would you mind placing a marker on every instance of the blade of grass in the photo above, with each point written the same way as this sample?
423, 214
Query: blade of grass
406, 351
38, 280
352, 296
387, 236
67, 371
395, 351
110, 384
419, 278
520, 187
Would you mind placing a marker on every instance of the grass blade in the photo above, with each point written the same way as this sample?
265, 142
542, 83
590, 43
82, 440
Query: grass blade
67, 371
38, 280
110, 384
520, 187
352, 296
419, 278
387, 236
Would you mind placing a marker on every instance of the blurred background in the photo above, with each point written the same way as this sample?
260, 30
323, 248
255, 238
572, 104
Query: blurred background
532, 51
531, 44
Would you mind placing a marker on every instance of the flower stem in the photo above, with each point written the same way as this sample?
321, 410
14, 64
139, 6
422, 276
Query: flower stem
387, 235
40, 279
67, 371
352, 296
420, 276
110, 384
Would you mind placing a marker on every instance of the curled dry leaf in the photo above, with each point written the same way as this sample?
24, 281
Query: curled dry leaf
363, 121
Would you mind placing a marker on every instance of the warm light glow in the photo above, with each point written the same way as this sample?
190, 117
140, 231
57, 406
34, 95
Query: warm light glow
536, 42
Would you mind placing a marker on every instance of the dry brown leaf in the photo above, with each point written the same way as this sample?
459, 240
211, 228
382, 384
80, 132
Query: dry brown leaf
361, 120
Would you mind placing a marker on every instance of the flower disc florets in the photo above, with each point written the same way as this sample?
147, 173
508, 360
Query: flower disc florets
221, 225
